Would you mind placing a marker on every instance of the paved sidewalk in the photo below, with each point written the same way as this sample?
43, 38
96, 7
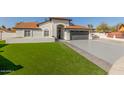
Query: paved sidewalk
117, 68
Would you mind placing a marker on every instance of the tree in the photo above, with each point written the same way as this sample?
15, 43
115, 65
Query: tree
113, 29
103, 27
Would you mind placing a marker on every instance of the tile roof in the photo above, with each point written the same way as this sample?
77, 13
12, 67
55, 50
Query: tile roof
3, 30
31, 25
76, 27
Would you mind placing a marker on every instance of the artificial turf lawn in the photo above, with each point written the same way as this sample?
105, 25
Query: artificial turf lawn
44, 59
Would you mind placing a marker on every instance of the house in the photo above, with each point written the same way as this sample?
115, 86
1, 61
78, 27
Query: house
54, 27
119, 32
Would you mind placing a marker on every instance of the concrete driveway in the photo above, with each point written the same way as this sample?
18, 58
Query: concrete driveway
107, 50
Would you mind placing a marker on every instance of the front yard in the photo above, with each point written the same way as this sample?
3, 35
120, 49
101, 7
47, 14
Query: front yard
44, 59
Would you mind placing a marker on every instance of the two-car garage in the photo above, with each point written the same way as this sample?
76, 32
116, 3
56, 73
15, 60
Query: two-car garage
79, 35
78, 32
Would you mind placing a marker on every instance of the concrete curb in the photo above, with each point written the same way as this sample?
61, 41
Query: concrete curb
99, 62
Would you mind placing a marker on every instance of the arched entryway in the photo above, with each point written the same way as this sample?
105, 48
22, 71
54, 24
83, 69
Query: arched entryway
60, 31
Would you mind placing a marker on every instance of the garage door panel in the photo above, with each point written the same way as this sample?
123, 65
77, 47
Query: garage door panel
79, 35
79, 32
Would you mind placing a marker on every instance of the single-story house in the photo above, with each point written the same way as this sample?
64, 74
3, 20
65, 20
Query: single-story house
54, 27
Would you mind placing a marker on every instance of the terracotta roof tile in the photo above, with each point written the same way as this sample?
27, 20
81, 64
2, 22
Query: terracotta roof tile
3, 30
32, 25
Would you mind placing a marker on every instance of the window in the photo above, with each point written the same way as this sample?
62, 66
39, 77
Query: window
46, 32
27, 33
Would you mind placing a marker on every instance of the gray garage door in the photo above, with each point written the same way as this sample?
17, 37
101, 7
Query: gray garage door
79, 35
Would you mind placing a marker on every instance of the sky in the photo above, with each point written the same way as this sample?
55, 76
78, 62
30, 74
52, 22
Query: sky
11, 21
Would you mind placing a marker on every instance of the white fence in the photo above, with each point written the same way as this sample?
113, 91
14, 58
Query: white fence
29, 40
100, 35
12, 38
104, 36
6, 35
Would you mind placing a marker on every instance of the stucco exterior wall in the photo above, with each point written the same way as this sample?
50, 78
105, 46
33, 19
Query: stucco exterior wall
67, 35
47, 25
37, 33
55, 23
20, 32
33, 33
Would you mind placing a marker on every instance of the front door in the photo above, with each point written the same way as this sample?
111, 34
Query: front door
60, 31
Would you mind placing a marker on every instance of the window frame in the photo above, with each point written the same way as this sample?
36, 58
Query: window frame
46, 33
27, 33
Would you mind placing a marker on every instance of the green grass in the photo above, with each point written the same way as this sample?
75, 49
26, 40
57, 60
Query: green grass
2, 42
44, 59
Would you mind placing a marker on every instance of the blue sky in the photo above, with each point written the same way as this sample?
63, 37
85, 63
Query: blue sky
11, 21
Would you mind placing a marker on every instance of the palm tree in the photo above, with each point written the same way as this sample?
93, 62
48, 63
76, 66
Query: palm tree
90, 29
113, 28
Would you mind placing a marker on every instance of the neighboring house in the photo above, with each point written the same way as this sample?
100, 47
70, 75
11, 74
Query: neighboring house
119, 33
54, 27
6, 33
